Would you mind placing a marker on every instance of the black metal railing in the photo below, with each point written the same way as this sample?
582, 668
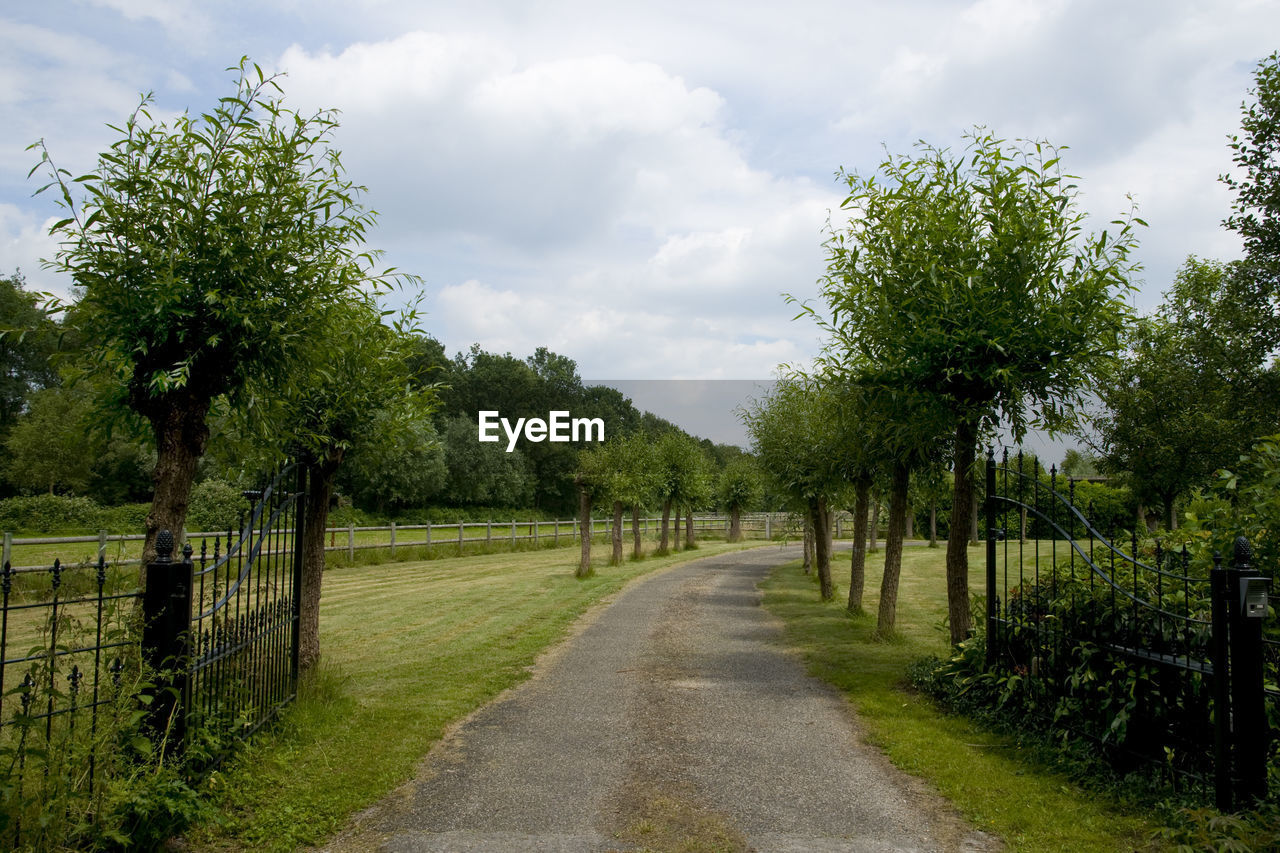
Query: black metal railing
69, 668
1069, 605
87, 662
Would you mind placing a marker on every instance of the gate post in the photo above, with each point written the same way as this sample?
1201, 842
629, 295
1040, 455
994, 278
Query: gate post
1247, 589
1221, 600
992, 599
166, 612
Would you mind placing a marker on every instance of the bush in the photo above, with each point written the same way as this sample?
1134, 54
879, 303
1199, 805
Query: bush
126, 518
215, 506
1071, 684
50, 514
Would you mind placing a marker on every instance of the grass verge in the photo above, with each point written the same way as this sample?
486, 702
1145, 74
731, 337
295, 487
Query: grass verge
998, 786
408, 648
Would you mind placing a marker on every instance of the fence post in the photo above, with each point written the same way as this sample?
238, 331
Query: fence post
1248, 590
461, 533
166, 611
393, 539
102, 545
555, 537
7, 554
535, 533
488, 531
428, 533
768, 527
513, 533
992, 599
351, 542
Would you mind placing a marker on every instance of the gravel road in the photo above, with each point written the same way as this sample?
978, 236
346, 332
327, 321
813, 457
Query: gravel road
674, 720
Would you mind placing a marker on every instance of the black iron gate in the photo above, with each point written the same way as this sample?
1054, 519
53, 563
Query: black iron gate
1065, 601
224, 623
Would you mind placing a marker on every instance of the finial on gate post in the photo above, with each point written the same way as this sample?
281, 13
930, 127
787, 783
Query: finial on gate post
1243, 557
164, 546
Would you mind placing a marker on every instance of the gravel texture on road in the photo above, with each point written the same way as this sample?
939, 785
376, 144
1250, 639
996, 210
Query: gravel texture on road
673, 719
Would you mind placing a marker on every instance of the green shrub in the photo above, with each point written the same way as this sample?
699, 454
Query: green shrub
126, 518
215, 506
50, 514
1072, 683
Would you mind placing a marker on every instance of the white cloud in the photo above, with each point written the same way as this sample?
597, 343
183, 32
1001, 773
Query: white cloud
24, 241
635, 185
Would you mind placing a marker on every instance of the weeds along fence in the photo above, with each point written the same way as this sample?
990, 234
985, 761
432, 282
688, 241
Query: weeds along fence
1151, 653
100, 681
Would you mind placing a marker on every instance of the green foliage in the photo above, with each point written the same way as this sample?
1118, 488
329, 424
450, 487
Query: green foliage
216, 506
740, 486
49, 514
974, 278
1195, 830
27, 341
681, 471
795, 435
46, 447
484, 474
207, 244
1256, 210
1191, 394
136, 797
397, 467
1076, 463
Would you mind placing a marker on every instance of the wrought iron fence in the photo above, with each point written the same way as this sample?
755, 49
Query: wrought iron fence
1187, 637
88, 662
69, 668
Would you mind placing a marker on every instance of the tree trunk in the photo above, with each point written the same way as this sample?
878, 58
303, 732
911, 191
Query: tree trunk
822, 545
690, 541
584, 525
615, 559
664, 541
808, 543
933, 524
893, 550
181, 434
636, 552
858, 565
875, 526
957, 548
735, 524
320, 476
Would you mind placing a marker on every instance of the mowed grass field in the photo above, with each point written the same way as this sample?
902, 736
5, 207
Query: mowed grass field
995, 784
408, 648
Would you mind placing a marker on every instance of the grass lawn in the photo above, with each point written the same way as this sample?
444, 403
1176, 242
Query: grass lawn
1000, 789
408, 648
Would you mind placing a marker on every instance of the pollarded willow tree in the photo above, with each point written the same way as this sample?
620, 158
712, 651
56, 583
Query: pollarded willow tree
208, 248
739, 488
353, 393
795, 435
972, 277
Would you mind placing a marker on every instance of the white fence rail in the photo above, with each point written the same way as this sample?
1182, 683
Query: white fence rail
461, 533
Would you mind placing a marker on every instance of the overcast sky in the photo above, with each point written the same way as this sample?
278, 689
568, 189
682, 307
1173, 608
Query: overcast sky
636, 185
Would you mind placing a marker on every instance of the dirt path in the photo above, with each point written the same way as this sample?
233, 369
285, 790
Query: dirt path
674, 721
